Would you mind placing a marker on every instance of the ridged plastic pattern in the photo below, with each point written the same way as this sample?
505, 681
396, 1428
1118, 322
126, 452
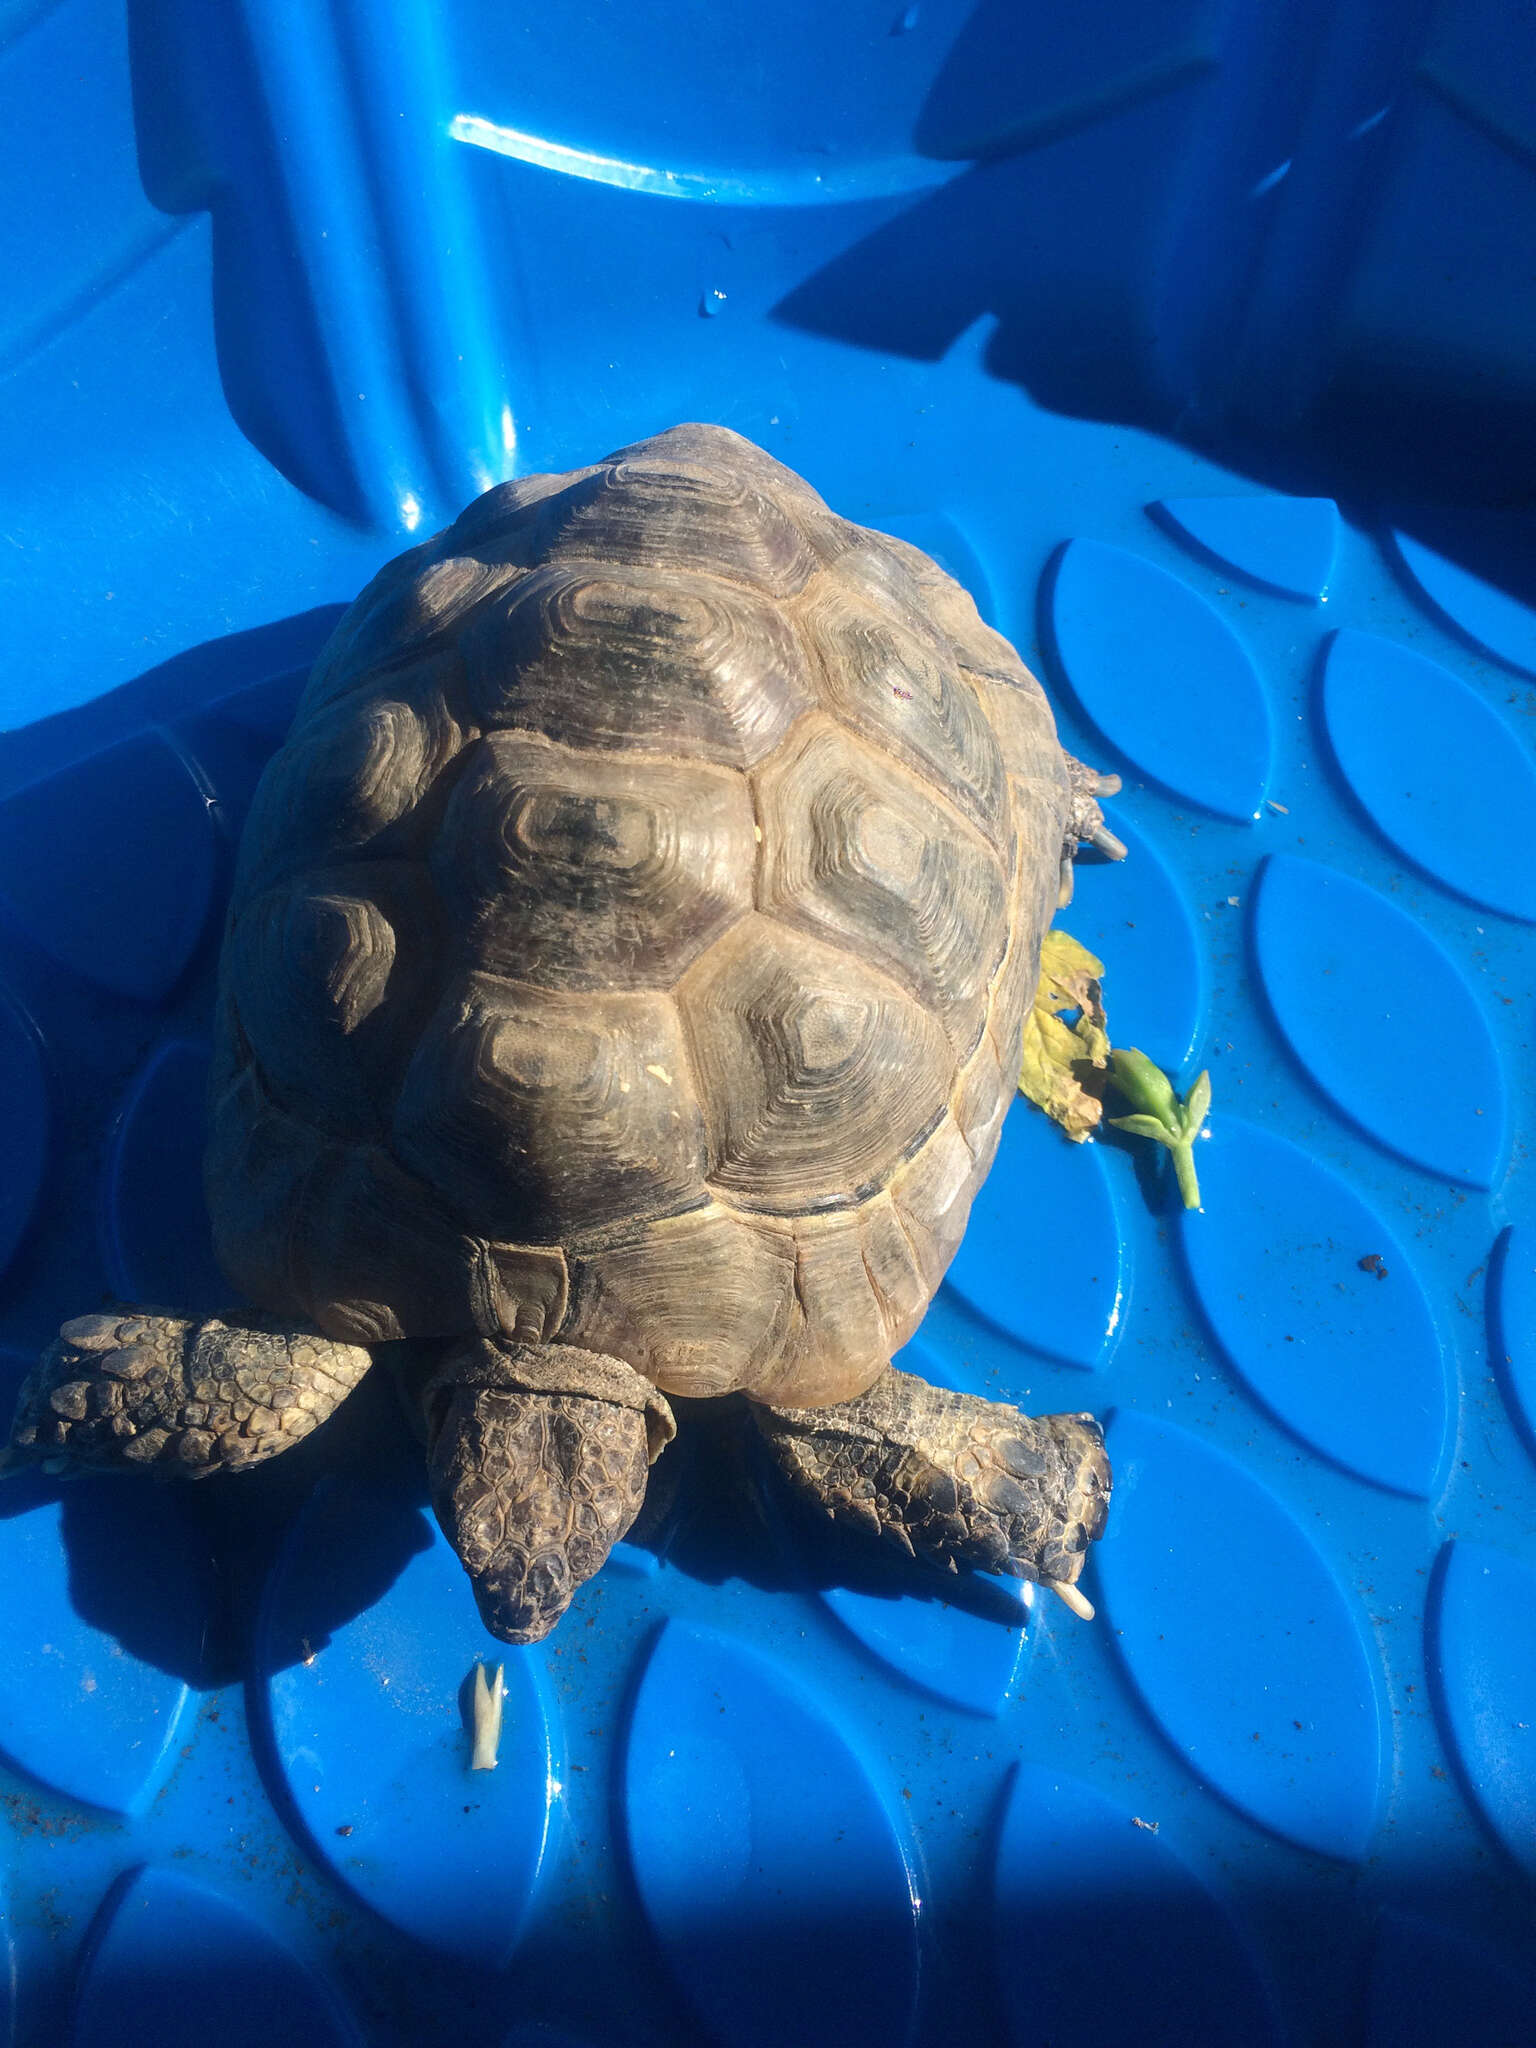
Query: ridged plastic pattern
1190, 339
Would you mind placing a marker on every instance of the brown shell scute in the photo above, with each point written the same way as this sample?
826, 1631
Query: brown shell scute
599, 654
660, 509
855, 850
578, 870
630, 943
895, 687
815, 1072
540, 1114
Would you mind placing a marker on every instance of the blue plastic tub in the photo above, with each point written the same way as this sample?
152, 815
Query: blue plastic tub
1195, 337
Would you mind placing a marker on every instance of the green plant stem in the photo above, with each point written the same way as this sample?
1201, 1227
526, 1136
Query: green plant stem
1184, 1167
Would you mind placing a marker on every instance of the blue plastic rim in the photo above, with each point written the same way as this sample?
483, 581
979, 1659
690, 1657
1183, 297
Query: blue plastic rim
1193, 337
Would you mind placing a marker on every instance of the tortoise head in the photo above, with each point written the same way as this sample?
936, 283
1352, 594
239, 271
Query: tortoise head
537, 1457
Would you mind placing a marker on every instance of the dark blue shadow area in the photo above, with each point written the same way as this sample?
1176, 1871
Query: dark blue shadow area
206, 144
1281, 236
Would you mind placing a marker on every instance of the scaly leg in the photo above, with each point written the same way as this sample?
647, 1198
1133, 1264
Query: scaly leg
952, 1478
137, 1391
1086, 824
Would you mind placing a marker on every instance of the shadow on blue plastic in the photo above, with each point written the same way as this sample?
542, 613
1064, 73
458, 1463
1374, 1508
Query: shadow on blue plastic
1482, 1628
108, 867
24, 1120
232, 741
1152, 665
368, 1723
1436, 771
1430, 1987
1346, 1359
957, 1654
1282, 544
154, 1224
1512, 1325
7, 1962
107, 1604
1169, 1966
1133, 915
769, 1866
1343, 967
1240, 1639
170, 1964
1042, 1260
1480, 612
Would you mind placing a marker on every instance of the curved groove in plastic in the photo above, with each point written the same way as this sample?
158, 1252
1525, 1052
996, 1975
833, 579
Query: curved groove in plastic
108, 867
24, 1121
1512, 1324
1067, 1854
1480, 612
964, 1658
1282, 544
1135, 916
1275, 1257
170, 1961
1483, 1658
1043, 1259
371, 1733
769, 1866
1439, 774
1150, 662
93, 1687
156, 1239
1337, 960
1240, 1639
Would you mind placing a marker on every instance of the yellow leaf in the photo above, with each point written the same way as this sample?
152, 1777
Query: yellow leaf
1053, 1051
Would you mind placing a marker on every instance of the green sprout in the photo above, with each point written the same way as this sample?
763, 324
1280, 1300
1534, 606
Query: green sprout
1160, 1114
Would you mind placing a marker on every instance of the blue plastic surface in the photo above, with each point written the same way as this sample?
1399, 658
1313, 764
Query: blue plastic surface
1195, 338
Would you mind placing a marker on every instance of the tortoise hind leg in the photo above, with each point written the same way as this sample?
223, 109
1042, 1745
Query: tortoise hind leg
952, 1478
136, 1391
537, 1458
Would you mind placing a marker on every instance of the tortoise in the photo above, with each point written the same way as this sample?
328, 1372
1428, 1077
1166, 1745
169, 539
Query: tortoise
621, 997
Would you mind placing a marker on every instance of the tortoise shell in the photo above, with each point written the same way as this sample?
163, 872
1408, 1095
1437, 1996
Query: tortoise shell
630, 944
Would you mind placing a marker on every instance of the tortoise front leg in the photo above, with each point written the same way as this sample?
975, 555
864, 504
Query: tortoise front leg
136, 1391
952, 1478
